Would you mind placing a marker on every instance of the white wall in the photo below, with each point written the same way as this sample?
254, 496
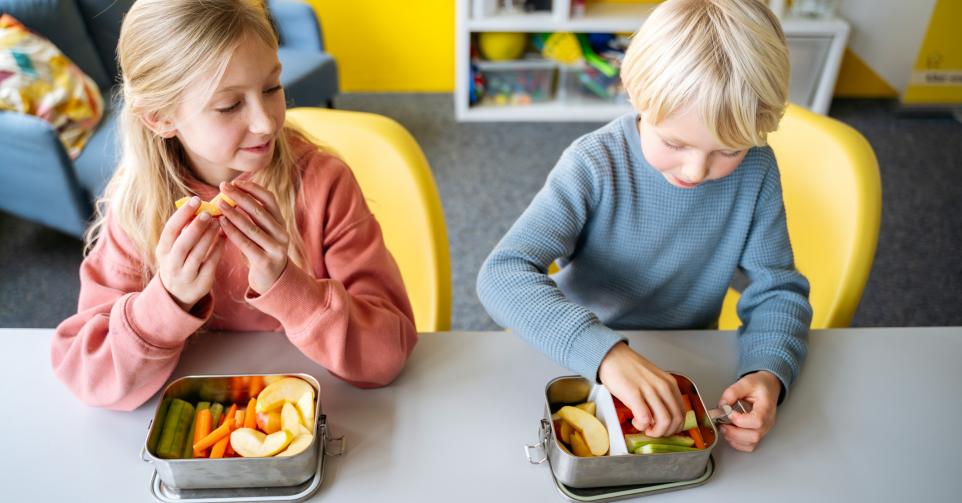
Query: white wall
887, 34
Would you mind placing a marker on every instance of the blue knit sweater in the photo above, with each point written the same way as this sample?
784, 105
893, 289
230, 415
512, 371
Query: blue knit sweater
636, 252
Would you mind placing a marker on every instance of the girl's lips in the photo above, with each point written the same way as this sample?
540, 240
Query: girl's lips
259, 149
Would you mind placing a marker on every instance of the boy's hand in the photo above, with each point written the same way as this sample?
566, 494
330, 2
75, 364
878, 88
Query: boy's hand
761, 389
257, 228
651, 393
187, 254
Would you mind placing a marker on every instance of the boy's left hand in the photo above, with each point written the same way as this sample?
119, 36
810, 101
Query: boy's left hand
257, 228
761, 389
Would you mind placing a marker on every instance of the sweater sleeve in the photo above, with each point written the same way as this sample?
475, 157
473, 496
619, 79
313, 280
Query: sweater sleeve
774, 307
514, 285
358, 322
125, 339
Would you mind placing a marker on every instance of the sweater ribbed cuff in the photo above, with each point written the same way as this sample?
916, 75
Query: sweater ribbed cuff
771, 363
589, 348
157, 318
294, 300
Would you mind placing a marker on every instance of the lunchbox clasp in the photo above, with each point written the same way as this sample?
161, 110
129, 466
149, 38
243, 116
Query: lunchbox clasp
544, 432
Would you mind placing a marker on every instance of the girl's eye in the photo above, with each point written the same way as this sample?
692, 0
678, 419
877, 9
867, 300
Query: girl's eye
273, 89
229, 109
673, 146
732, 154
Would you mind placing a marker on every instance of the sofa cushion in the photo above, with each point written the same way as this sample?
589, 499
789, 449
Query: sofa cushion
37, 79
61, 23
103, 19
309, 77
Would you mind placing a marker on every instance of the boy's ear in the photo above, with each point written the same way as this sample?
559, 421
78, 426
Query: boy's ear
161, 125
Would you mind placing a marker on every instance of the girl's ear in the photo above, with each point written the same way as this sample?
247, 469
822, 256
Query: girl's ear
159, 124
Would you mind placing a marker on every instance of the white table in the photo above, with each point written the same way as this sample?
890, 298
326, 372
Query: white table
876, 416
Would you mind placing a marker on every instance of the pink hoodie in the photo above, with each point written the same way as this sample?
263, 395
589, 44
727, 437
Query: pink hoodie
351, 314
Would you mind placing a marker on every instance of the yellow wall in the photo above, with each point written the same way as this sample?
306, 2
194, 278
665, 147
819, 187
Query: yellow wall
408, 46
389, 45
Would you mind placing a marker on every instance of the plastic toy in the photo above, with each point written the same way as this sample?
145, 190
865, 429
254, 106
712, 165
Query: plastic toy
502, 46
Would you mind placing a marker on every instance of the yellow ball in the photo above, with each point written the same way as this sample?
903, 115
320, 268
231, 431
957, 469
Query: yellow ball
502, 46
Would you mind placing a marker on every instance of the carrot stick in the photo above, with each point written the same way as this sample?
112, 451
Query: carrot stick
212, 437
201, 430
218, 450
222, 446
239, 419
694, 432
250, 417
256, 385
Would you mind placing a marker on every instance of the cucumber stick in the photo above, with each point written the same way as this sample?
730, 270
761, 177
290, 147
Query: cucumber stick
180, 435
166, 442
216, 410
636, 440
158, 425
661, 448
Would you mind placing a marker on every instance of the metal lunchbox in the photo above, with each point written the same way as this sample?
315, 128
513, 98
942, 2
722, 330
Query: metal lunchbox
620, 467
230, 473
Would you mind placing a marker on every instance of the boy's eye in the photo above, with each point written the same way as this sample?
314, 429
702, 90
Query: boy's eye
273, 89
673, 146
227, 110
732, 154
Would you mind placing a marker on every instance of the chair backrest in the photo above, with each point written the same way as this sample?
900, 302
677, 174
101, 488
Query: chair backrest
833, 204
399, 188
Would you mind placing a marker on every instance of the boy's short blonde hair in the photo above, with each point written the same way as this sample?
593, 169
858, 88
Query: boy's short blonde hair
727, 58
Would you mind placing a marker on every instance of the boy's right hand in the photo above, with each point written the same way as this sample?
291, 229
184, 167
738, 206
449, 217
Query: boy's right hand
651, 393
187, 254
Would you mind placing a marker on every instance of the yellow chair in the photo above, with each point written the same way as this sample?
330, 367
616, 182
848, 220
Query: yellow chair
833, 203
399, 188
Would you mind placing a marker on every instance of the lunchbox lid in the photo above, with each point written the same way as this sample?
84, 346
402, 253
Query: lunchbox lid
605, 494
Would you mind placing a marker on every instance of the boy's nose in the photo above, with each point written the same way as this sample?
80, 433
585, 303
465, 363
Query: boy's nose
695, 172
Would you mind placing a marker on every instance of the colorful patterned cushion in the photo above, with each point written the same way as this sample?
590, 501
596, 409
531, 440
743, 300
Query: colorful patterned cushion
37, 79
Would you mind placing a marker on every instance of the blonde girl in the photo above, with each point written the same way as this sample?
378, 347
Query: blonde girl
204, 114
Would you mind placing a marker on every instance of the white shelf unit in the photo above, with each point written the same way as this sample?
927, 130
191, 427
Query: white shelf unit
816, 47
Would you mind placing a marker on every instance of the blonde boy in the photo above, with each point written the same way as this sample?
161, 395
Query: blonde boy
650, 216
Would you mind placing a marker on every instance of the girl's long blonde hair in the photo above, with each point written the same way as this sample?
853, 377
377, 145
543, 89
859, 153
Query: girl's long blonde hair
728, 58
165, 47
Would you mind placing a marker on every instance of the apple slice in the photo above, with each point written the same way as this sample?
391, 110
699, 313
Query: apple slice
298, 445
305, 405
566, 430
268, 422
288, 389
588, 407
291, 420
590, 428
578, 446
251, 443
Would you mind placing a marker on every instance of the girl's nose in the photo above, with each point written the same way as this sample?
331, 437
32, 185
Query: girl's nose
261, 122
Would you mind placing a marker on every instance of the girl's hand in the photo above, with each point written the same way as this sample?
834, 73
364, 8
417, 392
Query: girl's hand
761, 389
187, 254
651, 393
256, 227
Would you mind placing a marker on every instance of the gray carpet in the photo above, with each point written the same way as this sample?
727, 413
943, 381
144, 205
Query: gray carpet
487, 174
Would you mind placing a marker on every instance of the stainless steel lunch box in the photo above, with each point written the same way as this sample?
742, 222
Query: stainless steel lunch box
619, 467
223, 473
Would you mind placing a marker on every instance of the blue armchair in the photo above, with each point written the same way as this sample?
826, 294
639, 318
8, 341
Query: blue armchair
39, 181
